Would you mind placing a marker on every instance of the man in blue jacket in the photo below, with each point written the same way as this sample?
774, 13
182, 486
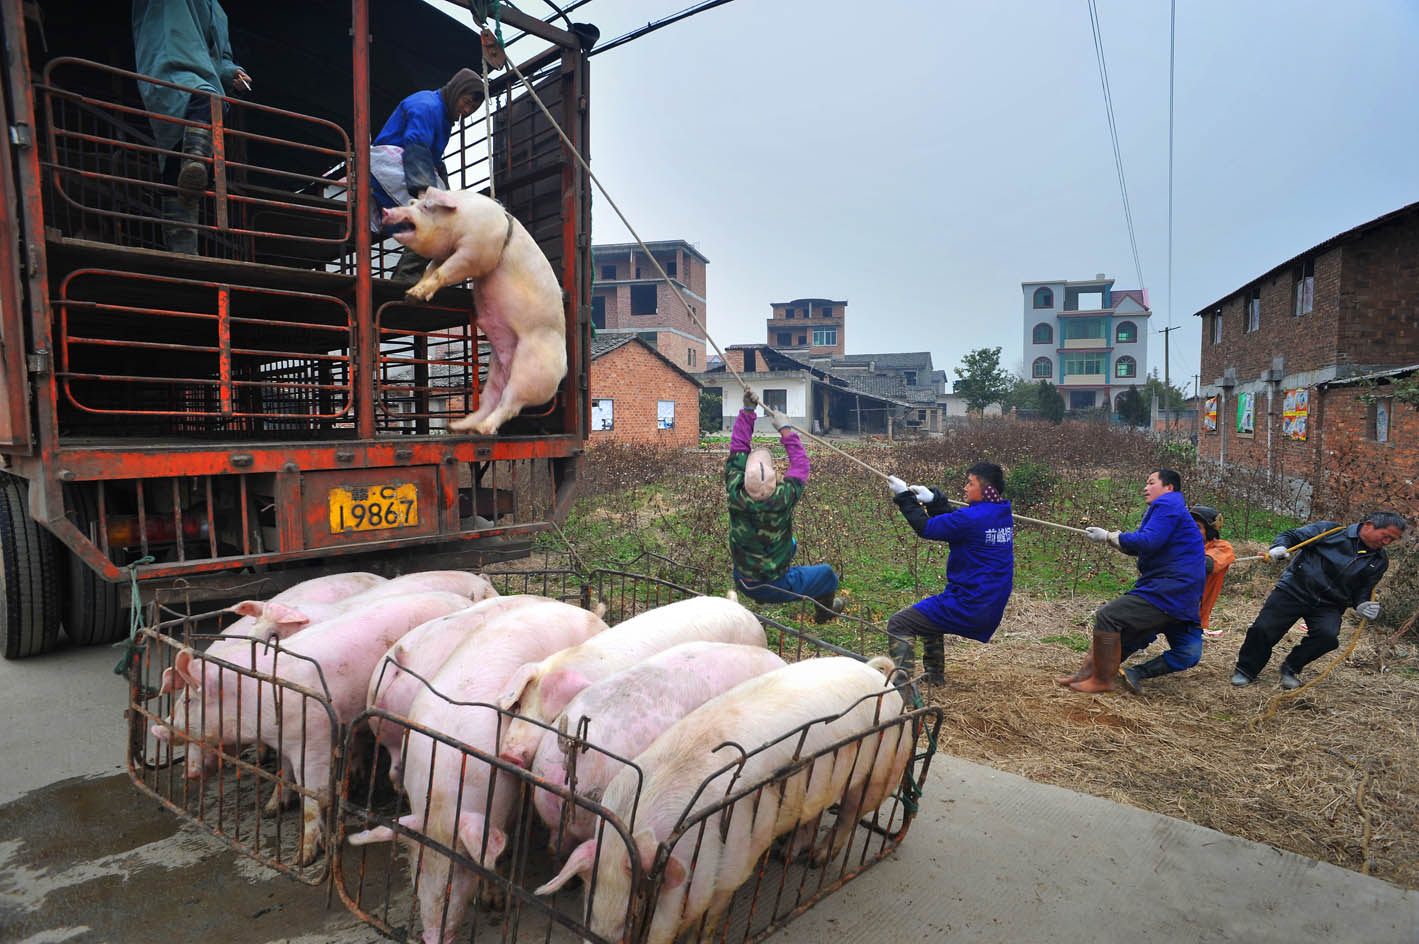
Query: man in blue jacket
1168, 592
407, 155
980, 571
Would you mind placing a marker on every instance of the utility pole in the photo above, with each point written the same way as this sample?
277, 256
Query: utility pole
1167, 378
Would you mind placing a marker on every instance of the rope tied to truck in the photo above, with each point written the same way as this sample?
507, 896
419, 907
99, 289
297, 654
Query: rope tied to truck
130, 645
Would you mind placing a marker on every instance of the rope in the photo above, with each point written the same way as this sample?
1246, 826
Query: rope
488, 129
130, 645
1293, 548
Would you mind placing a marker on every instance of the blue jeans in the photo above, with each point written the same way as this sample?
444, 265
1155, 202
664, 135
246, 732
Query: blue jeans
1184, 644
813, 581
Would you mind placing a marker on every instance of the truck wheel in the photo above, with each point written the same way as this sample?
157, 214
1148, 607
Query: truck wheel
93, 608
29, 573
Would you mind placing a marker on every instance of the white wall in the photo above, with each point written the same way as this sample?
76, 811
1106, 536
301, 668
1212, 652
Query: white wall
732, 396
1033, 316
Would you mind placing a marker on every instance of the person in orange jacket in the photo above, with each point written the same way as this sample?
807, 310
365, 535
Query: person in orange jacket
1219, 557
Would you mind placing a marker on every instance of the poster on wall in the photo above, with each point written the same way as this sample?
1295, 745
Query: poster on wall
665, 414
603, 414
1295, 409
1246, 414
1209, 415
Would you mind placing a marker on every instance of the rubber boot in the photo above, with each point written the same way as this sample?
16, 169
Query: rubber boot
828, 608
196, 151
1107, 649
1134, 675
179, 215
410, 268
933, 659
903, 652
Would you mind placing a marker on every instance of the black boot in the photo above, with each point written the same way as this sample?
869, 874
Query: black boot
196, 152
828, 607
933, 659
903, 652
1134, 675
179, 215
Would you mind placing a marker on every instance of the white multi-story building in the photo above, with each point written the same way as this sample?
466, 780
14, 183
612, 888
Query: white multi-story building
1087, 338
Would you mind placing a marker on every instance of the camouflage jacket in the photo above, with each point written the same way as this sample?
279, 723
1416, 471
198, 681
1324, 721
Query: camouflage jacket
761, 532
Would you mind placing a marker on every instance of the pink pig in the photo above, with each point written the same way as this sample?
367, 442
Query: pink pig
220, 707
284, 614
628, 711
515, 293
466, 805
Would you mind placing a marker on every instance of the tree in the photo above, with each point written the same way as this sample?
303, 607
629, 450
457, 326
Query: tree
1022, 395
711, 402
1051, 402
1170, 398
1131, 408
982, 382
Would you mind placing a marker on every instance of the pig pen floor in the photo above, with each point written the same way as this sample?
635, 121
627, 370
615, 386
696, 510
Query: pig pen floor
992, 857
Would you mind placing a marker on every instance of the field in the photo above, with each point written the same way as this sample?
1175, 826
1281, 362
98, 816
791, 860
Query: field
1330, 775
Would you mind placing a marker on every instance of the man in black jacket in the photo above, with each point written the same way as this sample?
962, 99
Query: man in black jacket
1337, 571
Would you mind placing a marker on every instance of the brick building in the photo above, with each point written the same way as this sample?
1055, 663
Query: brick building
808, 326
1286, 356
640, 395
628, 297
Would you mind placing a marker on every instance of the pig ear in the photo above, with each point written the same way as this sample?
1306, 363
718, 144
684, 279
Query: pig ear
674, 874
253, 608
645, 849
183, 665
161, 732
171, 682
440, 199
517, 685
470, 833
559, 688
582, 859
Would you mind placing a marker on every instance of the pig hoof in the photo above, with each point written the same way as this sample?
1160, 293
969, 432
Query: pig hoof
462, 425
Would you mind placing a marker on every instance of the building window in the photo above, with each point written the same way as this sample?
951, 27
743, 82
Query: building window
788, 313
1042, 368
921, 416
642, 299
1380, 412
827, 311
1125, 367
608, 272
1253, 311
1043, 334
603, 414
1074, 365
825, 337
1083, 329
664, 414
910, 377
777, 399
598, 310
690, 356
802, 340
1081, 399
1126, 333
1305, 287
670, 267
638, 271
1217, 327
785, 339
1044, 298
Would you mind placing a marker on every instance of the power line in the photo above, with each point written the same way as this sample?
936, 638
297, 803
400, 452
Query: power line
652, 27
1113, 135
1172, 56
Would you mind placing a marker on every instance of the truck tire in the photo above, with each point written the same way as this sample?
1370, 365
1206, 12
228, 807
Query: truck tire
93, 612
29, 575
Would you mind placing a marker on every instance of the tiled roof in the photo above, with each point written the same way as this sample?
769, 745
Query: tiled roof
915, 360
606, 343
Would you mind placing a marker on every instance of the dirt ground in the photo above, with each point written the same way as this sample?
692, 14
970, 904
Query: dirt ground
1330, 776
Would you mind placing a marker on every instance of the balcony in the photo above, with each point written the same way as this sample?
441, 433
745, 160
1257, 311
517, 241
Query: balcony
1083, 380
1073, 343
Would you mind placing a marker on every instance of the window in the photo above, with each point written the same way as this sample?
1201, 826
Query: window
664, 414
1305, 287
802, 339
1217, 327
603, 414
1253, 313
1081, 399
690, 356
910, 377
670, 271
1125, 367
921, 416
788, 313
1081, 364
1042, 367
1083, 329
778, 399
1043, 334
825, 336
642, 299
1044, 298
1380, 412
608, 272
598, 310
827, 311
1126, 333
785, 339
638, 271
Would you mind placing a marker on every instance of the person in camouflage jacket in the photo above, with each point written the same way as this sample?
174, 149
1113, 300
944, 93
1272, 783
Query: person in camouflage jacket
761, 541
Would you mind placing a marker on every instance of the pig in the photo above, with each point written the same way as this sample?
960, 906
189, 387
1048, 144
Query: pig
630, 710
219, 707
540, 691
468, 805
259, 620
837, 694
515, 293
475, 587
426, 648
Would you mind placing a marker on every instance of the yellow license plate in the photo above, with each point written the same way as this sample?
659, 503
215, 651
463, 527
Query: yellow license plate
373, 507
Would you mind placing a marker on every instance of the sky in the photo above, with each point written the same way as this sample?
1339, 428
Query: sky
924, 162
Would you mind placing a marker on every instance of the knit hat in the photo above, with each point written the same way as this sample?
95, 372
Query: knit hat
464, 81
760, 479
1209, 518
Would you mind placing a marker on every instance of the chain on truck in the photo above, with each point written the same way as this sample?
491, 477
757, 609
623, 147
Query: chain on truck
271, 408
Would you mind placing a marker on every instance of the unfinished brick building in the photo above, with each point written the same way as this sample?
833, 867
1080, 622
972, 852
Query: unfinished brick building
640, 395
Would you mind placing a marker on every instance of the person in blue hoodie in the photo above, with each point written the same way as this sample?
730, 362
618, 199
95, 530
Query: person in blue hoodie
1165, 598
980, 571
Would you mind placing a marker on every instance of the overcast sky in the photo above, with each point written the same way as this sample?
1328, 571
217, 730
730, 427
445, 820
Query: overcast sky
923, 161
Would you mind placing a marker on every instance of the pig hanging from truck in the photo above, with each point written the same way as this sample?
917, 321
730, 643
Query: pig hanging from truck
515, 292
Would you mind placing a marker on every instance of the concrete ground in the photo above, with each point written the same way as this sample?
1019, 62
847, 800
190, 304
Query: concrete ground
85, 857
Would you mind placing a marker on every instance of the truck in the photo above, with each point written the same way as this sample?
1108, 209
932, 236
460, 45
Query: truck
224, 424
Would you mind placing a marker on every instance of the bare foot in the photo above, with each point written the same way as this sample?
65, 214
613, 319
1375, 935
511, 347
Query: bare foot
1085, 670
1092, 684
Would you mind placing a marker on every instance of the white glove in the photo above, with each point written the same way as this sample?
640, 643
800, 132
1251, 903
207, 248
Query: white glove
1279, 553
750, 399
896, 485
1098, 535
777, 419
1369, 609
923, 494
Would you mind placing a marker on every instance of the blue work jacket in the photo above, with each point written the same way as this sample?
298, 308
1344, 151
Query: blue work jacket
980, 573
1171, 565
421, 126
